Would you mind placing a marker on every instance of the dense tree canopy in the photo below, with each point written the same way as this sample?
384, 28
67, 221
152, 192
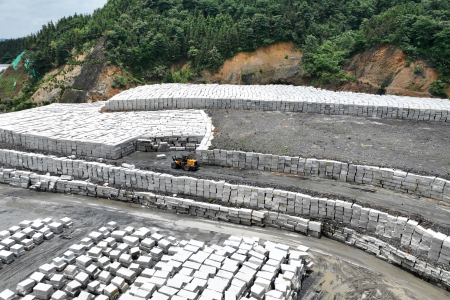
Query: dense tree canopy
10, 49
146, 35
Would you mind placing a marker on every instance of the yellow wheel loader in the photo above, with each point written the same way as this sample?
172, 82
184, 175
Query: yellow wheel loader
184, 163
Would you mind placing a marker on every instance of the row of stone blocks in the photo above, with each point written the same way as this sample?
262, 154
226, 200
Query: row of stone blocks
386, 252
234, 97
278, 203
238, 195
168, 144
142, 264
438, 248
67, 146
200, 209
15, 241
426, 186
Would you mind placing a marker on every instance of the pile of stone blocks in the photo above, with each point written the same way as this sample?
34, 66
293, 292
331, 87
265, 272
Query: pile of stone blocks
384, 251
139, 263
278, 98
163, 144
426, 186
72, 129
17, 240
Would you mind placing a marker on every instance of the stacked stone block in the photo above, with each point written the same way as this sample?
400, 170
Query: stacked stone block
81, 129
279, 98
141, 264
426, 186
18, 240
384, 251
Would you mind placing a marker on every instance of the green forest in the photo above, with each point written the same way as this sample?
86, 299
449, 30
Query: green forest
10, 49
145, 36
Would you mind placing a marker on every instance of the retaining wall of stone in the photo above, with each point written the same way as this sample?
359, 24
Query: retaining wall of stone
245, 216
434, 245
377, 247
279, 98
397, 180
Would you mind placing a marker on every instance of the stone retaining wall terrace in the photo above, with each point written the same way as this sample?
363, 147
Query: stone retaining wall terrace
81, 129
47, 183
436, 246
398, 180
279, 98
377, 247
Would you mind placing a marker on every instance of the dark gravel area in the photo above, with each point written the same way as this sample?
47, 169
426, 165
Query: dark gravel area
418, 147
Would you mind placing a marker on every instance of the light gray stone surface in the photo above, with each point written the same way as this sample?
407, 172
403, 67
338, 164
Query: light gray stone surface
81, 129
279, 98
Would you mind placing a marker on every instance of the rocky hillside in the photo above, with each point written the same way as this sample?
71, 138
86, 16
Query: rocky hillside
382, 69
397, 47
386, 69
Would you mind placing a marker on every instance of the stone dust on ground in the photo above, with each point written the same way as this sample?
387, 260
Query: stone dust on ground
334, 279
417, 147
331, 278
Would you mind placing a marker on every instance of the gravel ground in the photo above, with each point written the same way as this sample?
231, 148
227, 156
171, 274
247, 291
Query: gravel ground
419, 147
332, 277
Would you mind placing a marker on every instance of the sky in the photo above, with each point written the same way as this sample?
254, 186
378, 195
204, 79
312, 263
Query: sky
19, 18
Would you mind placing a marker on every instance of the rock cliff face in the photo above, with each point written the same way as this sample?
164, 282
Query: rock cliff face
87, 81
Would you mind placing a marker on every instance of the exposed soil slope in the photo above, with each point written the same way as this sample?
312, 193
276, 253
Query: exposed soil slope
50, 89
382, 69
385, 66
279, 63
103, 89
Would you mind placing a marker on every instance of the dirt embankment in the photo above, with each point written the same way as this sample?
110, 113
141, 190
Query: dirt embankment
386, 68
382, 69
279, 63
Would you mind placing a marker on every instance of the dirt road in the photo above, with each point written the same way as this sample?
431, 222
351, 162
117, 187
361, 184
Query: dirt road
341, 272
419, 147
